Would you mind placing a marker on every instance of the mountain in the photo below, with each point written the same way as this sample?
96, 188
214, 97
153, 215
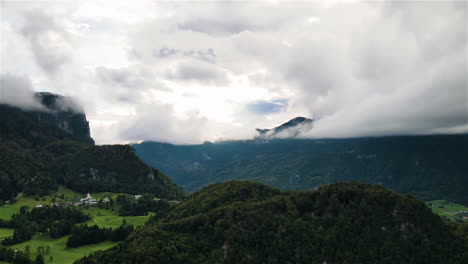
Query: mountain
292, 128
114, 168
60, 119
41, 148
245, 222
430, 167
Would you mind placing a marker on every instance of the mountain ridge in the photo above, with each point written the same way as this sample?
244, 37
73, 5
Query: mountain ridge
430, 167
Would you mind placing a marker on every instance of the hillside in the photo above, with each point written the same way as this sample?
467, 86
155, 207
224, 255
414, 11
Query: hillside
42, 148
430, 167
244, 222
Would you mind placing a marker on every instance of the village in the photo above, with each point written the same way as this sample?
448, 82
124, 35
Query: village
88, 200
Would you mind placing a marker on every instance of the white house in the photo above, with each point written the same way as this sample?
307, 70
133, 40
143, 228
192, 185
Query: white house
88, 200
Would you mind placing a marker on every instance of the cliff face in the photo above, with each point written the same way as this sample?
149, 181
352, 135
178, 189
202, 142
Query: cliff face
60, 119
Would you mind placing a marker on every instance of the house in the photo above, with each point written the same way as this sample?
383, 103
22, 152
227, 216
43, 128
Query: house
39, 206
106, 199
137, 197
88, 200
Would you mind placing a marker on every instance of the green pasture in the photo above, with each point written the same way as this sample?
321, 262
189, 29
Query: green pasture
6, 232
108, 218
445, 208
58, 250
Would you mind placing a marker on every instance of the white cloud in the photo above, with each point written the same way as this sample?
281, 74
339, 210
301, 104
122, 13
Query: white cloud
17, 91
50, 43
191, 71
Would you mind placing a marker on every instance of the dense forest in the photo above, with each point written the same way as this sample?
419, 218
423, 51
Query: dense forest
429, 167
40, 149
85, 235
245, 222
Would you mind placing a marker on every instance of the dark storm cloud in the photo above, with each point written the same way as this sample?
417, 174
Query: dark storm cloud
49, 42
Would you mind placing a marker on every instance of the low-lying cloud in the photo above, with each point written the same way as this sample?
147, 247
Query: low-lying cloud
17, 91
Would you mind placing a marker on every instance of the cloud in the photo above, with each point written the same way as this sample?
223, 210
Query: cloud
197, 72
268, 107
221, 69
207, 55
17, 91
135, 78
49, 42
159, 122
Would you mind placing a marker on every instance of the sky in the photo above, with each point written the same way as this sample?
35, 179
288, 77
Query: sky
185, 72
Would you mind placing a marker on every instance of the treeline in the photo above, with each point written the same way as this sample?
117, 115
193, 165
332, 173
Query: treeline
85, 235
18, 257
128, 206
56, 221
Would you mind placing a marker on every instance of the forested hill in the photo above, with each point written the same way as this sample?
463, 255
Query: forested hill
430, 167
47, 146
245, 222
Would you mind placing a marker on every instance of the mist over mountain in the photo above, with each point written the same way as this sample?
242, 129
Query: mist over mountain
290, 129
58, 118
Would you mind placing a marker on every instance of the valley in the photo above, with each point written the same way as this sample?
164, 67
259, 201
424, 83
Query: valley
57, 250
65, 200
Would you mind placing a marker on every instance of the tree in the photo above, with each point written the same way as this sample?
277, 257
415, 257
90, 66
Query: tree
27, 249
39, 260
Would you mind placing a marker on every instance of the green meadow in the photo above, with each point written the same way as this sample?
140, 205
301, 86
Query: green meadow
6, 232
445, 208
57, 247
108, 218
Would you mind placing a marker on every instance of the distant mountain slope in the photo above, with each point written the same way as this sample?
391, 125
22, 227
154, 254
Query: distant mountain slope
431, 167
290, 129
42, 148
244, 222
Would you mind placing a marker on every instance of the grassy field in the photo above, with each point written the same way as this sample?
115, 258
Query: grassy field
108, 218
6, 232
445, 208
8, 210
68, 195
58, 250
